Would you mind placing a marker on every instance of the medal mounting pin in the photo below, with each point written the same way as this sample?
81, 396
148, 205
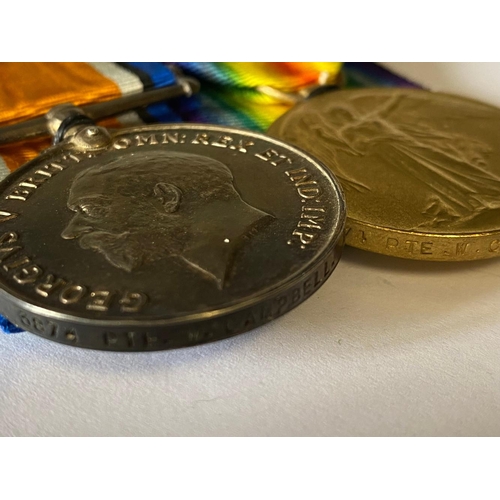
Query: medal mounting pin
79, 123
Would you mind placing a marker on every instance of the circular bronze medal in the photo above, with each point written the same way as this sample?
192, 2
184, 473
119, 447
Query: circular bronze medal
420, 170
164, 236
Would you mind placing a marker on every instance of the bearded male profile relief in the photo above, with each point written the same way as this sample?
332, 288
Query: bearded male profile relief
149, 206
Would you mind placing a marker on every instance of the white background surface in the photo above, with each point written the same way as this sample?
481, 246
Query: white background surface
386, 347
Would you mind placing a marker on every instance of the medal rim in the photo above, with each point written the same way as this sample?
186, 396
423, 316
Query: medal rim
336, 240
458, 238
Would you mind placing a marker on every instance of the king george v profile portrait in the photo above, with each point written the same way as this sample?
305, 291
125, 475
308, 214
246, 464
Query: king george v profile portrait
149, 206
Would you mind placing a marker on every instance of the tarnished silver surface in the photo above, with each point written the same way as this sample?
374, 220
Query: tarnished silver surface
165, 236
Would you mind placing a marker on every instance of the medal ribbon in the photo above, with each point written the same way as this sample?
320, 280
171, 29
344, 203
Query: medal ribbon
231, 95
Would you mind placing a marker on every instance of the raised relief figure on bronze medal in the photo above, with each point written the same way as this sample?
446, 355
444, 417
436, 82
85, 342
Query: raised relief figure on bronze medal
421, 170
145, 207
450, 165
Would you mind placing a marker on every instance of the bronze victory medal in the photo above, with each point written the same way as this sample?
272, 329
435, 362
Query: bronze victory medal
167, 236
420, 170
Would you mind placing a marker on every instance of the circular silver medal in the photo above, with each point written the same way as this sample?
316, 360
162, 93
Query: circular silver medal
164, 236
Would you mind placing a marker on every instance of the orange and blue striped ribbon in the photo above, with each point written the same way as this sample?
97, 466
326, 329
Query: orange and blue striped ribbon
31, 89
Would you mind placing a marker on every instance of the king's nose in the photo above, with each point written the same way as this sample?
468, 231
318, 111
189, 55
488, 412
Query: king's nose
75, 229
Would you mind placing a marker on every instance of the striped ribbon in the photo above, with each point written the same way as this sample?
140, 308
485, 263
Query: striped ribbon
229, 95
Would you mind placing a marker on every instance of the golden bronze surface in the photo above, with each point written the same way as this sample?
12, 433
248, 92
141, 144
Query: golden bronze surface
420, 170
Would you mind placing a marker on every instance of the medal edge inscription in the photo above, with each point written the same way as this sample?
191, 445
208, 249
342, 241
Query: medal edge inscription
144, 337
119, 336
422, 246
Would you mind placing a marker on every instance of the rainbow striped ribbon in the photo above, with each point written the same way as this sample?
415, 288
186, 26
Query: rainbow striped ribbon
229, 94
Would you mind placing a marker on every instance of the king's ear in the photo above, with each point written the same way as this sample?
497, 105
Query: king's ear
168, 195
